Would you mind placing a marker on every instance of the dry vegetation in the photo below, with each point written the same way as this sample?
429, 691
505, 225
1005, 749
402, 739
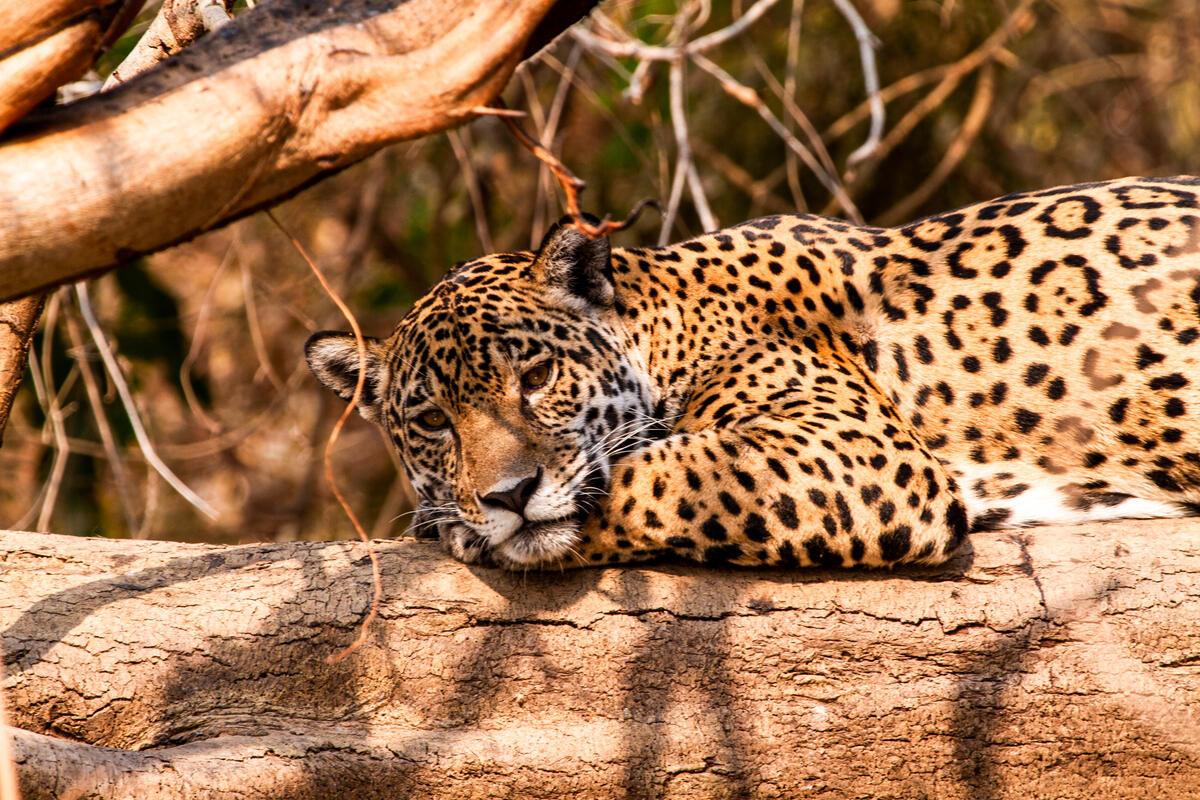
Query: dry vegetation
982, 97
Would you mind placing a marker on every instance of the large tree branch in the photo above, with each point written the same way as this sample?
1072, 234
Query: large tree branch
288, 92
1043, 663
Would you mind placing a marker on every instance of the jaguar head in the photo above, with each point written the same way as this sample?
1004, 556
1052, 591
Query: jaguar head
508, 391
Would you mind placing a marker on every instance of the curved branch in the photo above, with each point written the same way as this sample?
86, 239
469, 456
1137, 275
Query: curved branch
285, 94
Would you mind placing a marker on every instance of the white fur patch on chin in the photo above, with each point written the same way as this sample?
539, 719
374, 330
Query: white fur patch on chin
463, 543
538, 544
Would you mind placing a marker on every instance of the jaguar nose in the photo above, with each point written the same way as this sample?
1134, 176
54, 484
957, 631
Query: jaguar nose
515, 497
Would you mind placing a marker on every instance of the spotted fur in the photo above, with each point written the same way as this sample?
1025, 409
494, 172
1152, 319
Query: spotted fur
798, 391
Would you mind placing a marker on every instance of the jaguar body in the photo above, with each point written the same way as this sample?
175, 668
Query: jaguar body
797, 390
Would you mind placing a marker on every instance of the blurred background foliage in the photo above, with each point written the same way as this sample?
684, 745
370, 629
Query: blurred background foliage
983, 97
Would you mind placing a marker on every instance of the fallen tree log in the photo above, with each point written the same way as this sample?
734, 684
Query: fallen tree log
1055, 662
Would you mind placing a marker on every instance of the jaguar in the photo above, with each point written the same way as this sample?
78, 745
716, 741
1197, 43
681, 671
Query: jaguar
798, 390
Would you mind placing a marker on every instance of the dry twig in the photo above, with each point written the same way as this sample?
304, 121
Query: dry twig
647, 52
685, 167
791, 69
177, 25
256, 337
197, 342
139, 431
572, 187
62, 450
972, 124
361, 344
115, 462
866, 50
750, 98
463, 155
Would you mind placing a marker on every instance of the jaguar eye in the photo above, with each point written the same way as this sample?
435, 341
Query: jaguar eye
434, 419
536, 377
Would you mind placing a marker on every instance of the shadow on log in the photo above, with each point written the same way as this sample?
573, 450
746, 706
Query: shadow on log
1057, 662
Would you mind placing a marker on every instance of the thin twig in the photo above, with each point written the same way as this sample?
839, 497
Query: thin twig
1020, 17
256, 337
708, 220
649, 52
62, 450
682, 155
492, 111
572, 186
139, 431
866, 51
471, 178
683, 145
750, 98
605, 110
208, 447
150, 506
115, 463
761, 191
197, 341
543, 184
972, 124
361, 346
795, 114
42, 372
566, 82
791, 69
893, 91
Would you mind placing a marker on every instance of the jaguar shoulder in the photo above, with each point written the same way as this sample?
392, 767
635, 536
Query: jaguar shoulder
796, 390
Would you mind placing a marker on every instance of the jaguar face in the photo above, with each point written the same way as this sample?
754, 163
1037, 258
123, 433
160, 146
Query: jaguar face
508, 392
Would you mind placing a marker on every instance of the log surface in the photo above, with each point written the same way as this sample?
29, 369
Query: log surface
1053, 662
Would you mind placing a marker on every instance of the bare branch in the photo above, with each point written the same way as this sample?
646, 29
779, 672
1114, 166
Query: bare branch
866, 50
649, 52
62, 450
791, 68
750, 98
256, 337
471, 179
135, 420
286, 94
196, 342
683, 154
178, 24
972, 124
115, 462
1020, 17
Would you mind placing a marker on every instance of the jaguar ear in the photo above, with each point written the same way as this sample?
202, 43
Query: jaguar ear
333, 358
577, 264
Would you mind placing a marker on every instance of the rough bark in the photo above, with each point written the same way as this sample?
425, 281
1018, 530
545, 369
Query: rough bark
18, 320
1057, 662
288, 92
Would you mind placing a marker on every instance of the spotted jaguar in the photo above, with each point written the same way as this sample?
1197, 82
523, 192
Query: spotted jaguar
798, 390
